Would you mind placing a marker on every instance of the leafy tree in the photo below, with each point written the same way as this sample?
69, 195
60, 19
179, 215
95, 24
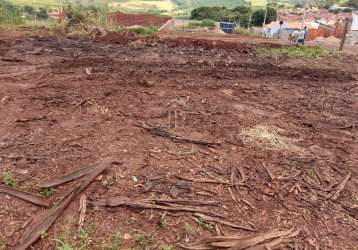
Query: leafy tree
353, 3
259, 15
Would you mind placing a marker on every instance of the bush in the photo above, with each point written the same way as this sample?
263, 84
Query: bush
347, 10
204, 23
42, 13
9, 14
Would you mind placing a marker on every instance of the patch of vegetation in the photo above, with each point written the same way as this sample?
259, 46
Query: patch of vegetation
295, 52
2, 244
189, 229
204, 224
115, 244
85, 237
9, 14
204, 23
143, 241
9, 180
151, 30
47, 192
240, 14
167, 247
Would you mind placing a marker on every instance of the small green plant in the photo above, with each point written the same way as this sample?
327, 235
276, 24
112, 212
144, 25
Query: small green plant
295, 52
47, 192
204, 224
85, 237
9, 180
163, 223
189, 229
142, 240
62, 241
9, 14
167, 247
115, 244
2, 244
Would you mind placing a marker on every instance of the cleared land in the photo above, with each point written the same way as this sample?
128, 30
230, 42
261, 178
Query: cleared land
254, 144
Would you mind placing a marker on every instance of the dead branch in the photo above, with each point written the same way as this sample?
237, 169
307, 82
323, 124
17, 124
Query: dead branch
120, 201
68, 177
238, 242
184, 202
32, 198
340, 187
224, 222
44, 221
175, 138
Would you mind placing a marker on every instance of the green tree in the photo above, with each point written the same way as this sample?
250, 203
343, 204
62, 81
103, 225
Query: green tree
259, 15
353, 3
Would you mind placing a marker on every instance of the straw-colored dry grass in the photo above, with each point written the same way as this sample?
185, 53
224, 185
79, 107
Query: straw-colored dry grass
269, 137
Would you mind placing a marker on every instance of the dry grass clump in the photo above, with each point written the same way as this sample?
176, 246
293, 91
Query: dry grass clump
269, 137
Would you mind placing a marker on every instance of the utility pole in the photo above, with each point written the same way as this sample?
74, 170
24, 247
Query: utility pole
344, 36
263, 24
248, 27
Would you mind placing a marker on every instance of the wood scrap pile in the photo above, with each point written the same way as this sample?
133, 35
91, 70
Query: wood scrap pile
270, 240
44, 220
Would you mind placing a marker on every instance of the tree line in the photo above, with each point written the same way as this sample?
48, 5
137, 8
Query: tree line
243, 15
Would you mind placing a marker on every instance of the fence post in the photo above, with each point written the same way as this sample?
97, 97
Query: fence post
343, 40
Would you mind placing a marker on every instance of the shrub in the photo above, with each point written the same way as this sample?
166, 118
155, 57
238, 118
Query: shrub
9, 14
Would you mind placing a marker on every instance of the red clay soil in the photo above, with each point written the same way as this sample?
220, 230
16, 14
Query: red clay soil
285, 135
145, 20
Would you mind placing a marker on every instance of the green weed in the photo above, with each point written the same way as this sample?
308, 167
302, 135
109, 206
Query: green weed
115, 244
204, 224
144, 241
8, 180
189, 229
167, 247
85, 237
9, 14
2, 244
144, 31
295, 52
47, 192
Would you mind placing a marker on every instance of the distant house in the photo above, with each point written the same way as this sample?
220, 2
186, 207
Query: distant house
275, 30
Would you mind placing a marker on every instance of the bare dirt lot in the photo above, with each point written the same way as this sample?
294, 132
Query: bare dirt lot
202, 139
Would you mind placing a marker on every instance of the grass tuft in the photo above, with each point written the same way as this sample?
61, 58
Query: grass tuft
295, 52
9, 180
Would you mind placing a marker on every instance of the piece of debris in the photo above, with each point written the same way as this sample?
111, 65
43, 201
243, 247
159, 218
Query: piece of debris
180, 187
163, 133
82, 211
340, 187
121, 201
68, 177
30, 197
238, 242
224, 222
88, 71
44, 221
